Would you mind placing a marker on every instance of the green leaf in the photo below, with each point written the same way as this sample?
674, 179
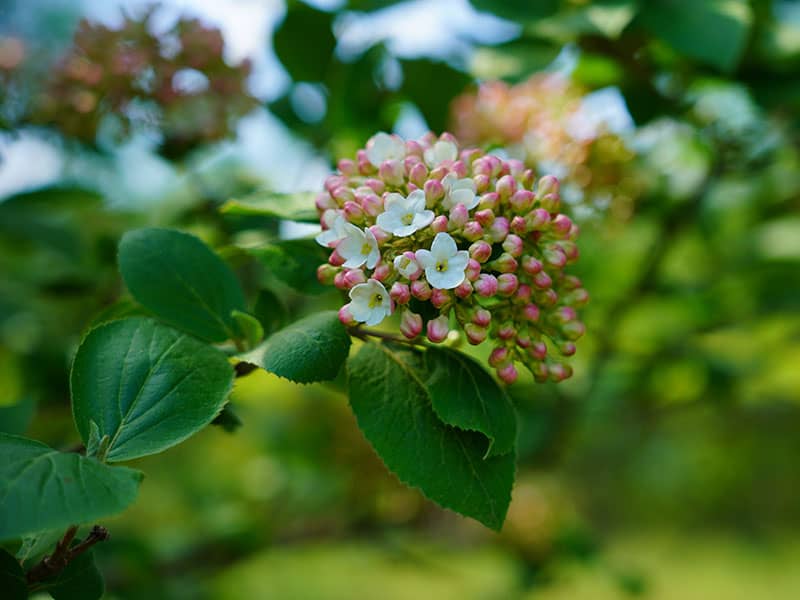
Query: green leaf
714, 32
517, 10
311, 349
420, 76
295, 263
179, 278
16, 418
41, 488
249, 326
80, 580
270, 311
35, 545
293, 207
464, 395
393, 408
147, 386
304, 42
12, 578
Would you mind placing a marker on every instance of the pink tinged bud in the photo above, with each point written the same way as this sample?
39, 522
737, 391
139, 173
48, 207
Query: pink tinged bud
342, 195
538, 350
473, 270
365, 167
522, 201
336, 259
475, 333
459, 215
326, 274
392, 172
513, 245
440, 298
508, 373
381, 236
506, 186
570, 282
551, 202
561, 225
567, 348
506, 332
524, 293
547, 297
574, 231
448, 137
570, 250
531, 265
335, 181
540, 372
353, 212
555, 257
414, 148
480, 251
499, 229
324, 202
348, 278
347, 167
579, 297
438, 329
573, 330
482, 317
377, 185
542, 280
518, 225
439, 172
410, 324
524, 341
400, 293
482, 183
345, 316
485, 217
505, 263
339, 281
382, 271
472, 231
531, 312
464, 289
528, 177
537, 220
372, 204
516, 167
500, 355
468, 155
482, 166
547, 185
489, 201
421, 290
564, 314
560, 372
486, 285
418, 174
507, 284
459, 168
434, 192
440, 224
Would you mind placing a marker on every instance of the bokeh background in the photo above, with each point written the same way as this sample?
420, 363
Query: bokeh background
666, 468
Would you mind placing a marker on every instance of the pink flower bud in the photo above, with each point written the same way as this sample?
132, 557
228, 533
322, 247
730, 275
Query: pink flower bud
505, 263
475, 333
524, 340
551, 202
439, 172
438, 329
538, 350
528, 177
555, 257
499, 229
522, 201
352, 277
571, 251
400, 293
420, 290
573, 330
382, 271
542, 280
323, 202
439, 297
564, 314
482, 183
518, 225
392, 172
414, 148
410, 324
547, 297
570, 282
459, 215
376, 184
531, 265
506, 331
346, 317
506, 186
472, 231
372, 204
381, 236
489, 201
463, 290
507, 284
540, 371
407, 265
343, 195
482, 166
537, 220
516, 167
513, 245
459, 169
531, 312
336, 259
485, 217
560, 226
523, 293
353, 212
440, 224
468, 155
473, 270
560, 372
486, 285
547, 185
347, 167
434, 192
335, 181
499, 355
480, 251
482, 317
364, 166
567, 348
579, 297
508, 373
418, 174
326, 274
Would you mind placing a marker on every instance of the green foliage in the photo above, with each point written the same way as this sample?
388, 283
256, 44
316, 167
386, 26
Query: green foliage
12, 577
68, 488
308, 61
311, 349
250, 326
293, 262
177, 277
146, 386
80, 580
294, 207
393, 407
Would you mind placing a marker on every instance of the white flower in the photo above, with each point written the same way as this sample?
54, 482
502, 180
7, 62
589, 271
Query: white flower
358, 247
370, 302
335, 231
444, 264
407, 266
441, 152
458, 191
404, 216
382, 147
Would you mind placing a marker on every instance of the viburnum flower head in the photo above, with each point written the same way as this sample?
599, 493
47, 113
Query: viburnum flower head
463, 243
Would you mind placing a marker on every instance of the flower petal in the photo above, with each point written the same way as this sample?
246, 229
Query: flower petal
425, 258
443, 246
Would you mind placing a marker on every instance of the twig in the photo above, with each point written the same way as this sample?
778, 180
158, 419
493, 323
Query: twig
362, 334
52, 565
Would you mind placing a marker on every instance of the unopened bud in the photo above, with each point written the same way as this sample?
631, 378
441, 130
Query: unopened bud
573, 330
336, 259
505, 263
464, 289
347, 167
353, 212
506, 186
537, 220
522, 201
382, 271
482, 183
507, 284
459, 215
506, 331
438, 328
480, 251
400, 293
555, 257
559, 372
518, 225
440, 298
537, 350
567, 348
376, 185
472, 231
343, 195
381, 236
560, 226
434, 192
418, 174
372, 204
486, 285
513, 245
547, 185
508, 373
475, 333
489, 201
482, 317
410, 324
326, 274
542, 280
485, 217
421, 290
323, 202
346, 317
392, 172
499, 229
523, 294
473, 270
499, 356
531, 312
440, 224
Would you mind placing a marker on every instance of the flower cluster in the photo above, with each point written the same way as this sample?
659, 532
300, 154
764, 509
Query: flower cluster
454, 237
552, 125
177, 82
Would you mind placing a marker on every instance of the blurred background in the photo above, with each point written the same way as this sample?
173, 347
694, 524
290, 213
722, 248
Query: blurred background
666, 468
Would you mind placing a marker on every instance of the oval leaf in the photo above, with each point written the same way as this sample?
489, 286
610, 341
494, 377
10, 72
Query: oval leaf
311, 349
464, 395
294, 262
393, 408
41, 488
298, 206
146, 386
179, 278
80, 580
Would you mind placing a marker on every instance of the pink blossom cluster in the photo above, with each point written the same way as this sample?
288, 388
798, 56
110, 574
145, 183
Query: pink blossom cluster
453, 238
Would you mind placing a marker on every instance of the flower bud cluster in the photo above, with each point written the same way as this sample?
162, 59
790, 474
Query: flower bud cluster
543, 122
453, 237
178, 79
